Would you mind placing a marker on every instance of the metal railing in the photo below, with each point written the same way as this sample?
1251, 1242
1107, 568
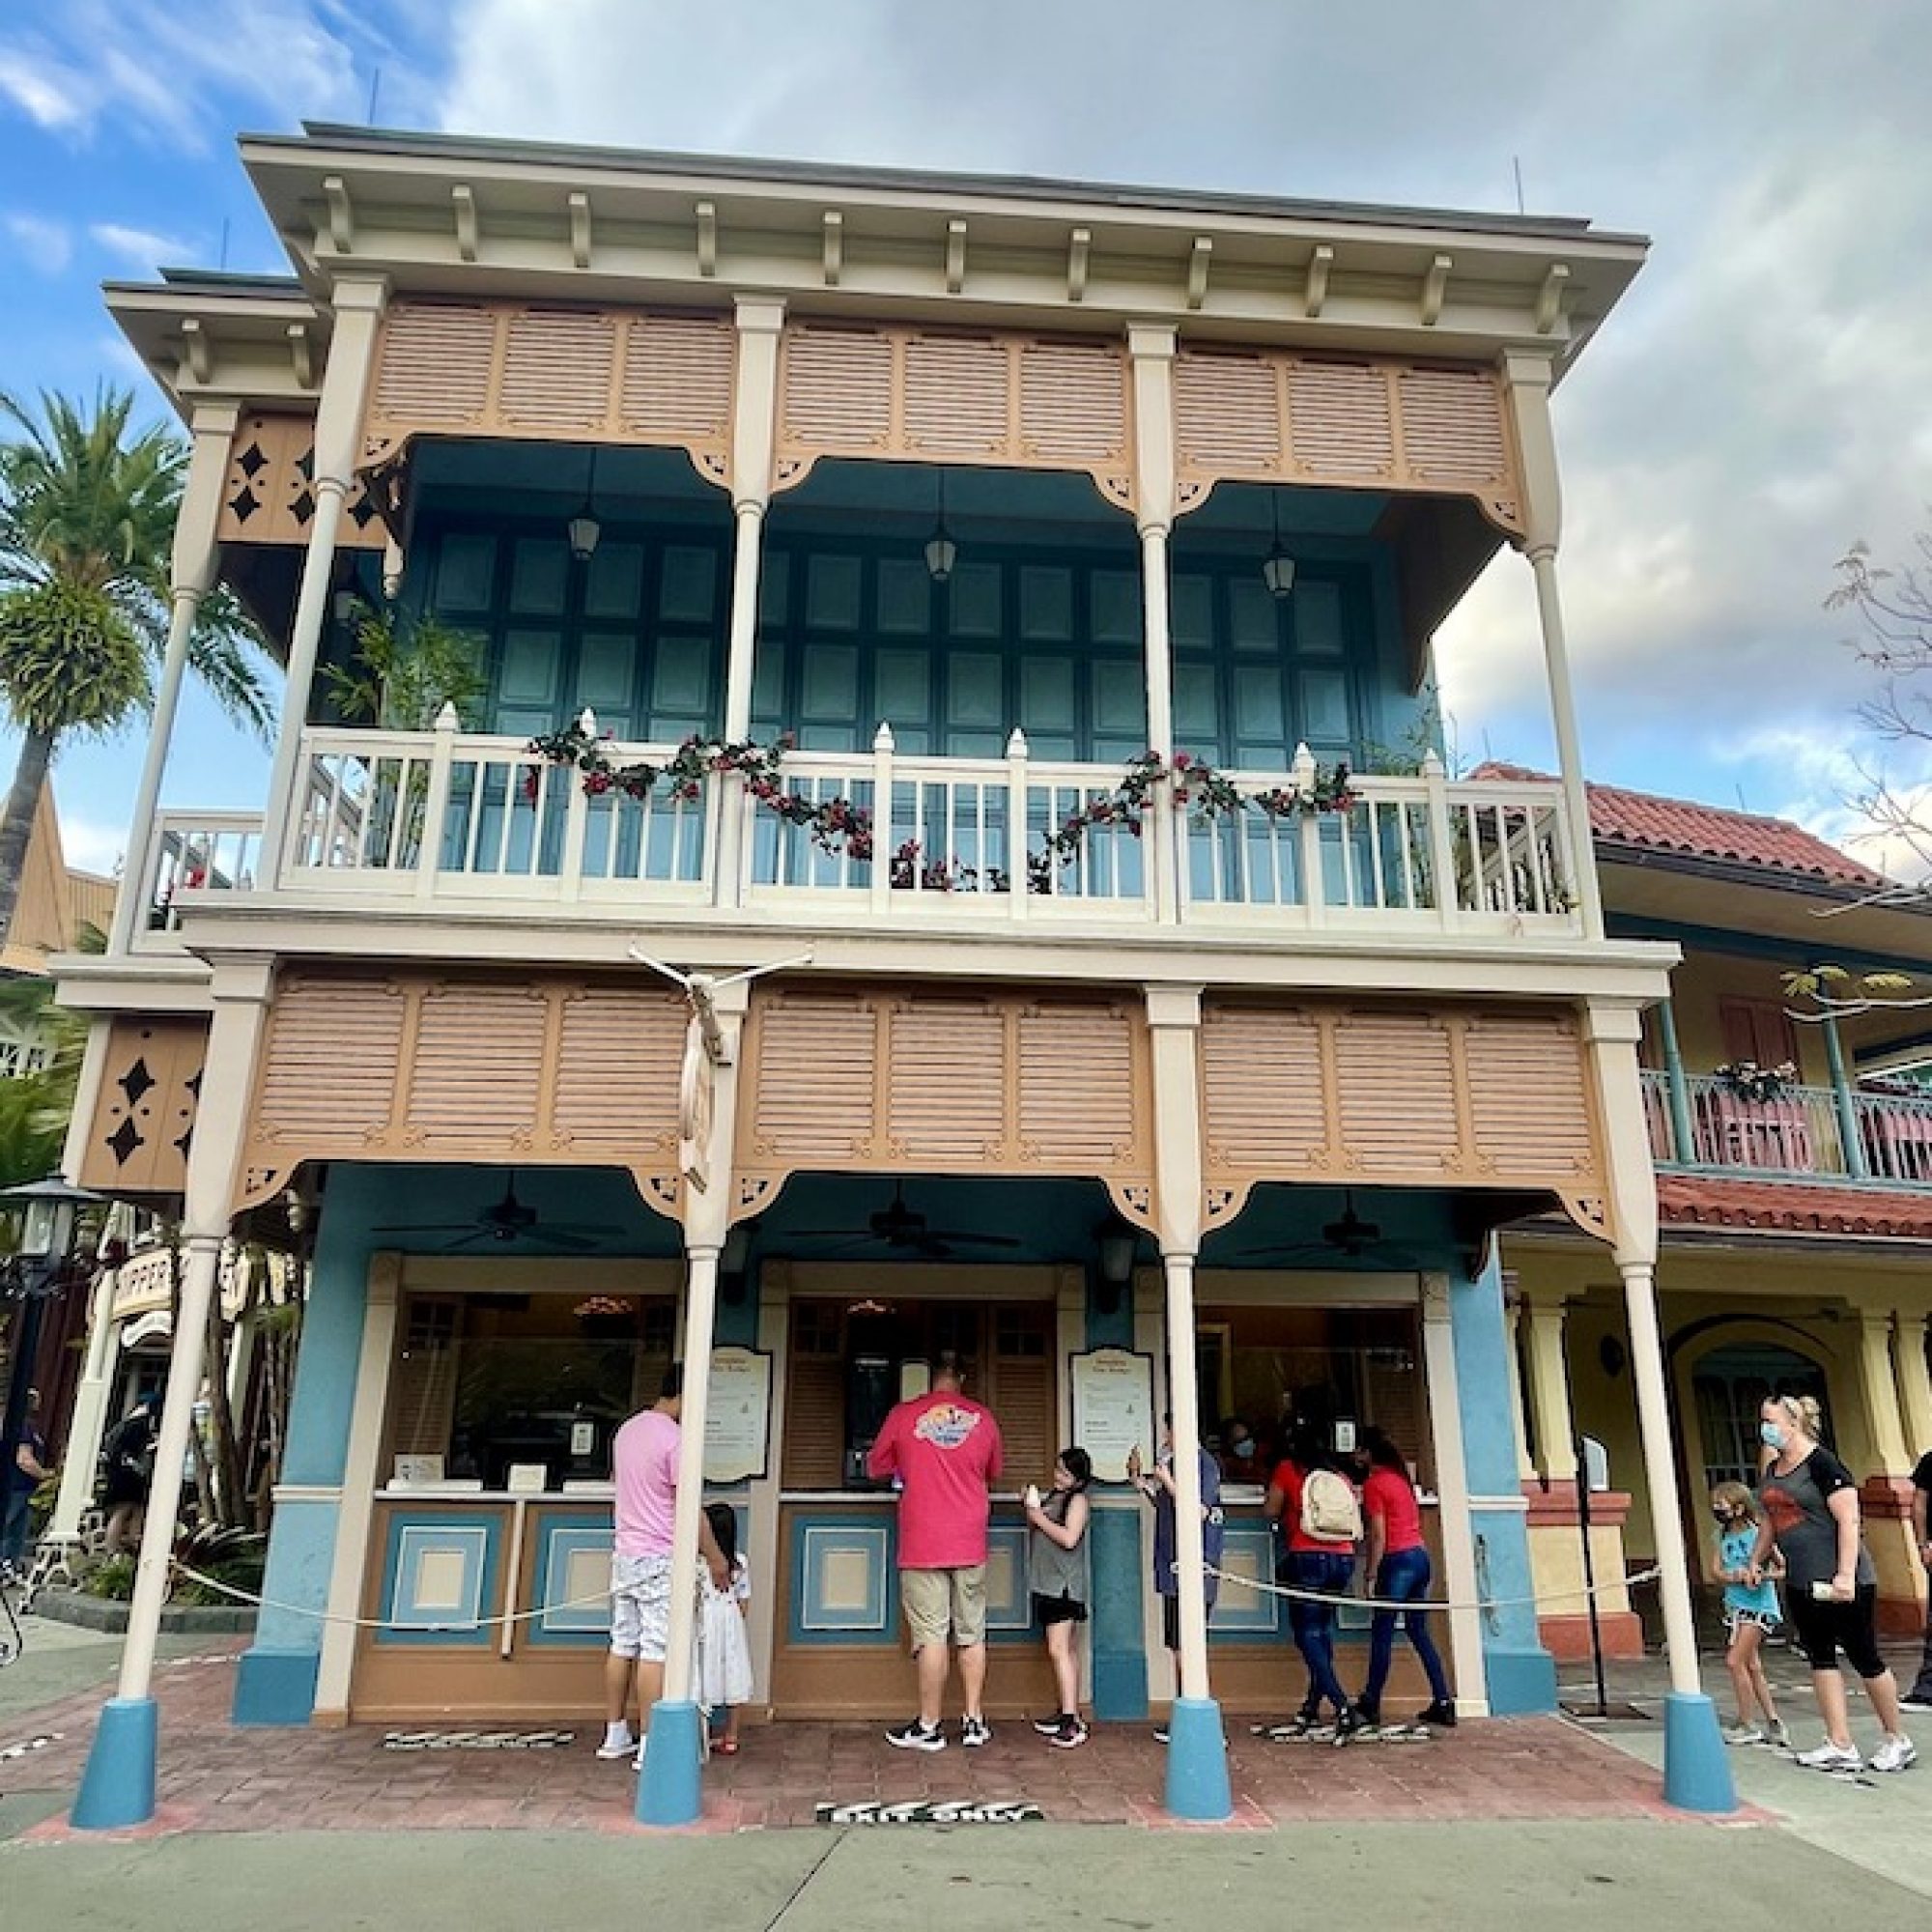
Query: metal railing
1801, 1131
443, 818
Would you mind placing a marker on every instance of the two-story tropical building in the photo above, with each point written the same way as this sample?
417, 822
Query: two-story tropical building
961, 620
1794, 1185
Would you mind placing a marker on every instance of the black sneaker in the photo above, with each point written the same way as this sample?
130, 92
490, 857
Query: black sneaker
1160, 1734
1371, 1715
1349, 1722
916, 1736
1442, 1714
974, 1732
1046, 1726
1068, 1734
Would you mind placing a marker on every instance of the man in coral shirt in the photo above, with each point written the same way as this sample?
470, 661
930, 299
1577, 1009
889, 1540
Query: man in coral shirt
946, 1452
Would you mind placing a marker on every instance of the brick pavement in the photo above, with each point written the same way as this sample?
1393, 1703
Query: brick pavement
216, 1778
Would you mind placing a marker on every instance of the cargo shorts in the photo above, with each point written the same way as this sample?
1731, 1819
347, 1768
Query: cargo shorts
945, 1602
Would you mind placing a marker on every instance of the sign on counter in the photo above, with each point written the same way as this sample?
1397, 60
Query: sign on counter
738, 1415
1113, 1409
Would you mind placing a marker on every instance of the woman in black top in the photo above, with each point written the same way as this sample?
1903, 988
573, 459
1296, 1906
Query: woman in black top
1811, 1511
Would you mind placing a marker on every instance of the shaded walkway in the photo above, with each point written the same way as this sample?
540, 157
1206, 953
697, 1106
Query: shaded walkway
216, 1778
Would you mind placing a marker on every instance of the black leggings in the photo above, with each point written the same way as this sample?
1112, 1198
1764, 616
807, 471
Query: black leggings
1826, 1628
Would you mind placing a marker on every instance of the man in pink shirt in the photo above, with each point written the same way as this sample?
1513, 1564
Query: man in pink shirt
945, 1449
644, 1459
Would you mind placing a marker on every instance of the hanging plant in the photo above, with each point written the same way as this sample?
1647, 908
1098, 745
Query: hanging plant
1312, 789
1760, 1084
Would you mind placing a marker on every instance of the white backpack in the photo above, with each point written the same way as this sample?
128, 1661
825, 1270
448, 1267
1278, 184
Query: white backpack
1330, 1508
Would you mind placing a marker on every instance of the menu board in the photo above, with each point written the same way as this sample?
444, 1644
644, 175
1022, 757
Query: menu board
1113, 1409
738, 1415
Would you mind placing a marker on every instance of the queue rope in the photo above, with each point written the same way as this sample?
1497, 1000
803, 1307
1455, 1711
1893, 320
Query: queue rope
1340, 1601
1264, 1587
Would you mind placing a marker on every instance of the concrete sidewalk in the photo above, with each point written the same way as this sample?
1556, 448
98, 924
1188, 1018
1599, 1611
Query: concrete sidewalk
1587, 1877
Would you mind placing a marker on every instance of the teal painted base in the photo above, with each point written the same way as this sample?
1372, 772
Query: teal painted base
1121, 1689
1519, 1683
1696, 1772
117, 1789
669, 1788
1197, 1761
275, 1686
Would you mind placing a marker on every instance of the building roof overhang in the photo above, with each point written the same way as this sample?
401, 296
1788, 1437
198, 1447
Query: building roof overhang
437, 213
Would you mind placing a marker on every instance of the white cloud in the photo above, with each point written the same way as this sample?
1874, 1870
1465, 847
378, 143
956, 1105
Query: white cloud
140, 248
46, 246
44, 90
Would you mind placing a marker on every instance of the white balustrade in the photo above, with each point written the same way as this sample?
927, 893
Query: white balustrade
444, 818
195, 856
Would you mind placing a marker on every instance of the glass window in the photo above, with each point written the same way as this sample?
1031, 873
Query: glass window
1318, 617
486, 1381
1046, 603
773, 586
1116, 597
605, 668
1190, 614
1251, 614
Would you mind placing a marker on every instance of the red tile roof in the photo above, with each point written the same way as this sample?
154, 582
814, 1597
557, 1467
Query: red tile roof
1642, 821
1778, 1206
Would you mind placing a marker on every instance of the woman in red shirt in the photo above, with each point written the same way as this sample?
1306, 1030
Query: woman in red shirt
1398, 1564
1320, 1565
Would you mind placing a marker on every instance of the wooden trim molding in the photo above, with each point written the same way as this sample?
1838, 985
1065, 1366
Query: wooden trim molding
1375, 422
858, 1081
1004, 398
547, 372
1382, 1094
421, 1067
268, 493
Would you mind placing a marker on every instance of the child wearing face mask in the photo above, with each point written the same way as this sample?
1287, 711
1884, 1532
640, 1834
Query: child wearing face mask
1750, 1615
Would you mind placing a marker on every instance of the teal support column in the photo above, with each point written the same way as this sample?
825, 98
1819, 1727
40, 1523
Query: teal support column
1520, 1675
1684, 1139
1118, 1554
1852, 1141
275, 1684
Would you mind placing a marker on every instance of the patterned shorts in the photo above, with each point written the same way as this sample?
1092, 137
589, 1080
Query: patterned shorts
1765, 1620
640, 1606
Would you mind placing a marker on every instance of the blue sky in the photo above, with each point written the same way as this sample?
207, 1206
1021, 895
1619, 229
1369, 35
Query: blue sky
1758, 402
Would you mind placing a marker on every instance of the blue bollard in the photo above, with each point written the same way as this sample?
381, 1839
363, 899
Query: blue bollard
1197, 1761
670, 1789
117, 1789
1696, 1768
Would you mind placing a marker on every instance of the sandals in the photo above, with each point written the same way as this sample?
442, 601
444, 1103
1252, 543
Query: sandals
727, 1747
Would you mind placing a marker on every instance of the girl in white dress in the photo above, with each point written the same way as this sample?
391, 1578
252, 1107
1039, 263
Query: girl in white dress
724, 1655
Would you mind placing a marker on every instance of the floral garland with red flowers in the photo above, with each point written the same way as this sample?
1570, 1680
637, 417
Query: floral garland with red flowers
839, 828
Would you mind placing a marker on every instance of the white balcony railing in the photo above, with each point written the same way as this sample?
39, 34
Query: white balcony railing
442, 819
1709, 1124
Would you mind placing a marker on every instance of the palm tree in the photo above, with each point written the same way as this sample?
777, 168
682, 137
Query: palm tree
87, 515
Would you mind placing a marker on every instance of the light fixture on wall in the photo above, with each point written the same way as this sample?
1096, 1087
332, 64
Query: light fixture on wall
1278, 572
941, 551
1118, 1241
583, 528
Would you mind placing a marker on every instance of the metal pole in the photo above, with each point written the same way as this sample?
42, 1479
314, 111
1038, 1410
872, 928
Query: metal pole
1590, 1579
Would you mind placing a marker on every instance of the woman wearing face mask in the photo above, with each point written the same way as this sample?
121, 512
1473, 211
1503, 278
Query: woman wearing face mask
1811, 1512
1240, 1454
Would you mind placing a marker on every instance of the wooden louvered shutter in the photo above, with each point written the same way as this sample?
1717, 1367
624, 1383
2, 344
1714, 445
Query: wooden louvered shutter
1020, 1391
814, 1417
423, 1404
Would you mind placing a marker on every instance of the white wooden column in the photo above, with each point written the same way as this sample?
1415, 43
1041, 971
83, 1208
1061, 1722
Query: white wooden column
1549, 1387
190, 573
240, 992
1914, 1382
1878, 1386
1526, 376
1452, 1489
1525, 1468
1613, 1033
753, 420
1150, 353
358, 302
1173, 1021
361, 1476
88, 1427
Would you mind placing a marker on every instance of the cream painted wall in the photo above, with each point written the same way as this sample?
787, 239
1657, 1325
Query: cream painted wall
1697, 987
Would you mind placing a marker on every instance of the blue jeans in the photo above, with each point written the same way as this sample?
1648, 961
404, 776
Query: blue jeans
1314, 1624
1402, 1577
14, 1531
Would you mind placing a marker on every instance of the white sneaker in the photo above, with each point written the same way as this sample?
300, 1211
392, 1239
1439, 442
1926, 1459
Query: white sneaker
1777, 1736
1895, 1754
1742, 1734
617, 1744
1828, 1756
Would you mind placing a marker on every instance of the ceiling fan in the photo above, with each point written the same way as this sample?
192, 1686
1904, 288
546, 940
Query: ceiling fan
1349, 1236
901, 1227
503, 1223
